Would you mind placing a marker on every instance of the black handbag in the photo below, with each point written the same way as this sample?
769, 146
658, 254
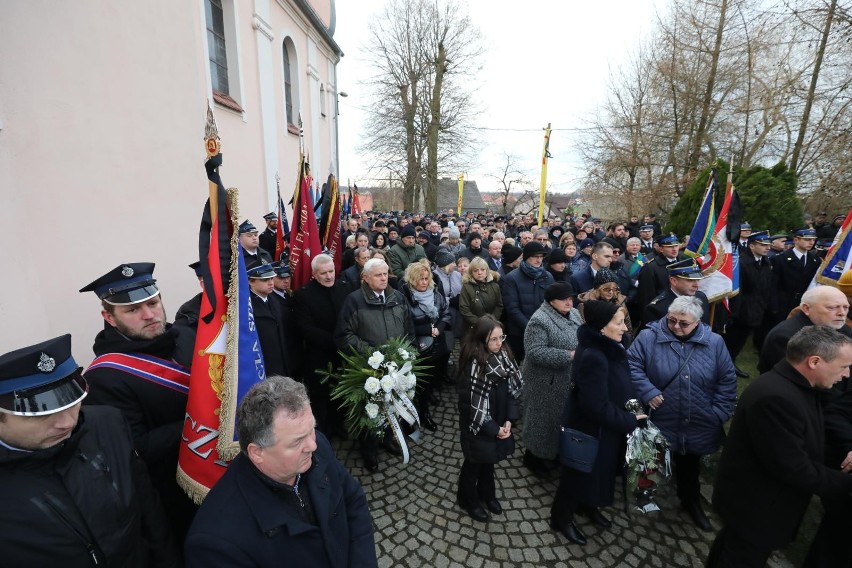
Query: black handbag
577, 450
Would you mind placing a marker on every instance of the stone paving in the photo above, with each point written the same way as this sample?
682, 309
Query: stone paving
419, 524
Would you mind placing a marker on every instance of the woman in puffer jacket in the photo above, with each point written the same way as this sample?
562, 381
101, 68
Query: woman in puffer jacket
682, 370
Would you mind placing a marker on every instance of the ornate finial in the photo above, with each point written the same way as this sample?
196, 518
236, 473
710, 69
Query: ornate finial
211, 134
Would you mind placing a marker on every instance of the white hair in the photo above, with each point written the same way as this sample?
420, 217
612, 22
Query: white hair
320, 259
372, 264
689, 305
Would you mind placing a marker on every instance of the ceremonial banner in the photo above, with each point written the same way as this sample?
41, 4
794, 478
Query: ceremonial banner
282, 232
720, 265
304, 237
331, 229
356, 205
544, 156
839, 257
226, 360
705, 224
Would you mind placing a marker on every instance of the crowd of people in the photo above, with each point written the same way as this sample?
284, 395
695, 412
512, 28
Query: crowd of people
554, 325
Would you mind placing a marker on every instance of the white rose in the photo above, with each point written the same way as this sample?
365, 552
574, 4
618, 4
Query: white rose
372, 385
387, 383
376, 359
403, 353
372, 410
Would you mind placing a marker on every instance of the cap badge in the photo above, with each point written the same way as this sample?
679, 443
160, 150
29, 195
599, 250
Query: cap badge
126, 271
46, 364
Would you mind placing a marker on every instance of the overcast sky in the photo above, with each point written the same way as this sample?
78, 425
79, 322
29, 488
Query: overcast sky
545, 61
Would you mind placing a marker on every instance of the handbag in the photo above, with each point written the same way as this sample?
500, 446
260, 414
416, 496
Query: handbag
577, 450
425, 343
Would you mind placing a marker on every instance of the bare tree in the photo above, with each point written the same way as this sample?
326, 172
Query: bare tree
510, 179
424, 56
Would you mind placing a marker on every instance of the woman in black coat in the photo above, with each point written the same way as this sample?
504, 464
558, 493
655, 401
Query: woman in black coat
430, 315
601, 386
489, 388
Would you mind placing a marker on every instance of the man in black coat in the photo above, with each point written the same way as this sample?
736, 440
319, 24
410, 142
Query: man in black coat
274, 322
684, 277
267, 239
316, 307
646, 237
74, 491
772, 462
142, 369
753, 309
823, 305
794, 270
654, 278
285, 500
253, 254
350, 278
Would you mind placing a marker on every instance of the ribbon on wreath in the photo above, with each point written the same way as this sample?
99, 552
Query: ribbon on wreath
398, 404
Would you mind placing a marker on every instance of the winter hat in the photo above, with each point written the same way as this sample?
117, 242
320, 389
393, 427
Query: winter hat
587, 243
407, 231
510, 253
845, 283
598, 313
557, 255
444, 258
604, 276
454, 232
474, 235
533, 248
558, 291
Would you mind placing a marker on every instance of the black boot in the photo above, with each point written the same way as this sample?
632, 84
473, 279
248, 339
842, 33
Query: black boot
698, 517
569, 530
594, 514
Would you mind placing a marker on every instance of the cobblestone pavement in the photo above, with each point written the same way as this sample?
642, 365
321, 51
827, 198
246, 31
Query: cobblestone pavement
419, 524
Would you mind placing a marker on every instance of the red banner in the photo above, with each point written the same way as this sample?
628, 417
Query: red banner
304, 235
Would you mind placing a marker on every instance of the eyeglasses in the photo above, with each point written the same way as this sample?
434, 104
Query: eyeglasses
608, 288
499, 339
674, 322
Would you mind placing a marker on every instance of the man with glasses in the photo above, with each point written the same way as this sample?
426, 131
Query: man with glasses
684, 277
752, 310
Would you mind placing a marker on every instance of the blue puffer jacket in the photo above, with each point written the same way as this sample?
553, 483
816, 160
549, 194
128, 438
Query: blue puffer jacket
699, 399
522, 296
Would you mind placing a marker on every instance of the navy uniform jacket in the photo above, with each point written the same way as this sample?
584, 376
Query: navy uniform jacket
792, 278
653, 279
659, 307
244, 523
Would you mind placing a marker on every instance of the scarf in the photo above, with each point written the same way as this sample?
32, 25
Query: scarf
451, 282
426, 302
498, 367
533, 272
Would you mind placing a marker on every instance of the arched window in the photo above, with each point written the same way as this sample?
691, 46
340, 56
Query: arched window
291, 81
216, 45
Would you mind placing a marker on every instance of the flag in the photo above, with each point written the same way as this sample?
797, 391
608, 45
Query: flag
544, 156
838, 259
636, 266
356, 205
705, 224
720, 265
325, 205
304, 237
331, 230
227, 359
461, 194
282, 231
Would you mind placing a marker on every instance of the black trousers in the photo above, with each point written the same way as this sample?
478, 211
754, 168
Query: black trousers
731, 550
832, 545
516, 342
564, 505
687, 468
476, 483
737, 332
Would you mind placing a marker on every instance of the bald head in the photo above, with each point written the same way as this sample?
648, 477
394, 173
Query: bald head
825, 305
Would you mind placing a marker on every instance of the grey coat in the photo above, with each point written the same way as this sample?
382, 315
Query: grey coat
547, 369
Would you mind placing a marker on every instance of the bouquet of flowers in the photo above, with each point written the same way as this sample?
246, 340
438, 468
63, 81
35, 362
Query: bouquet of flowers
375, 389
648, 461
